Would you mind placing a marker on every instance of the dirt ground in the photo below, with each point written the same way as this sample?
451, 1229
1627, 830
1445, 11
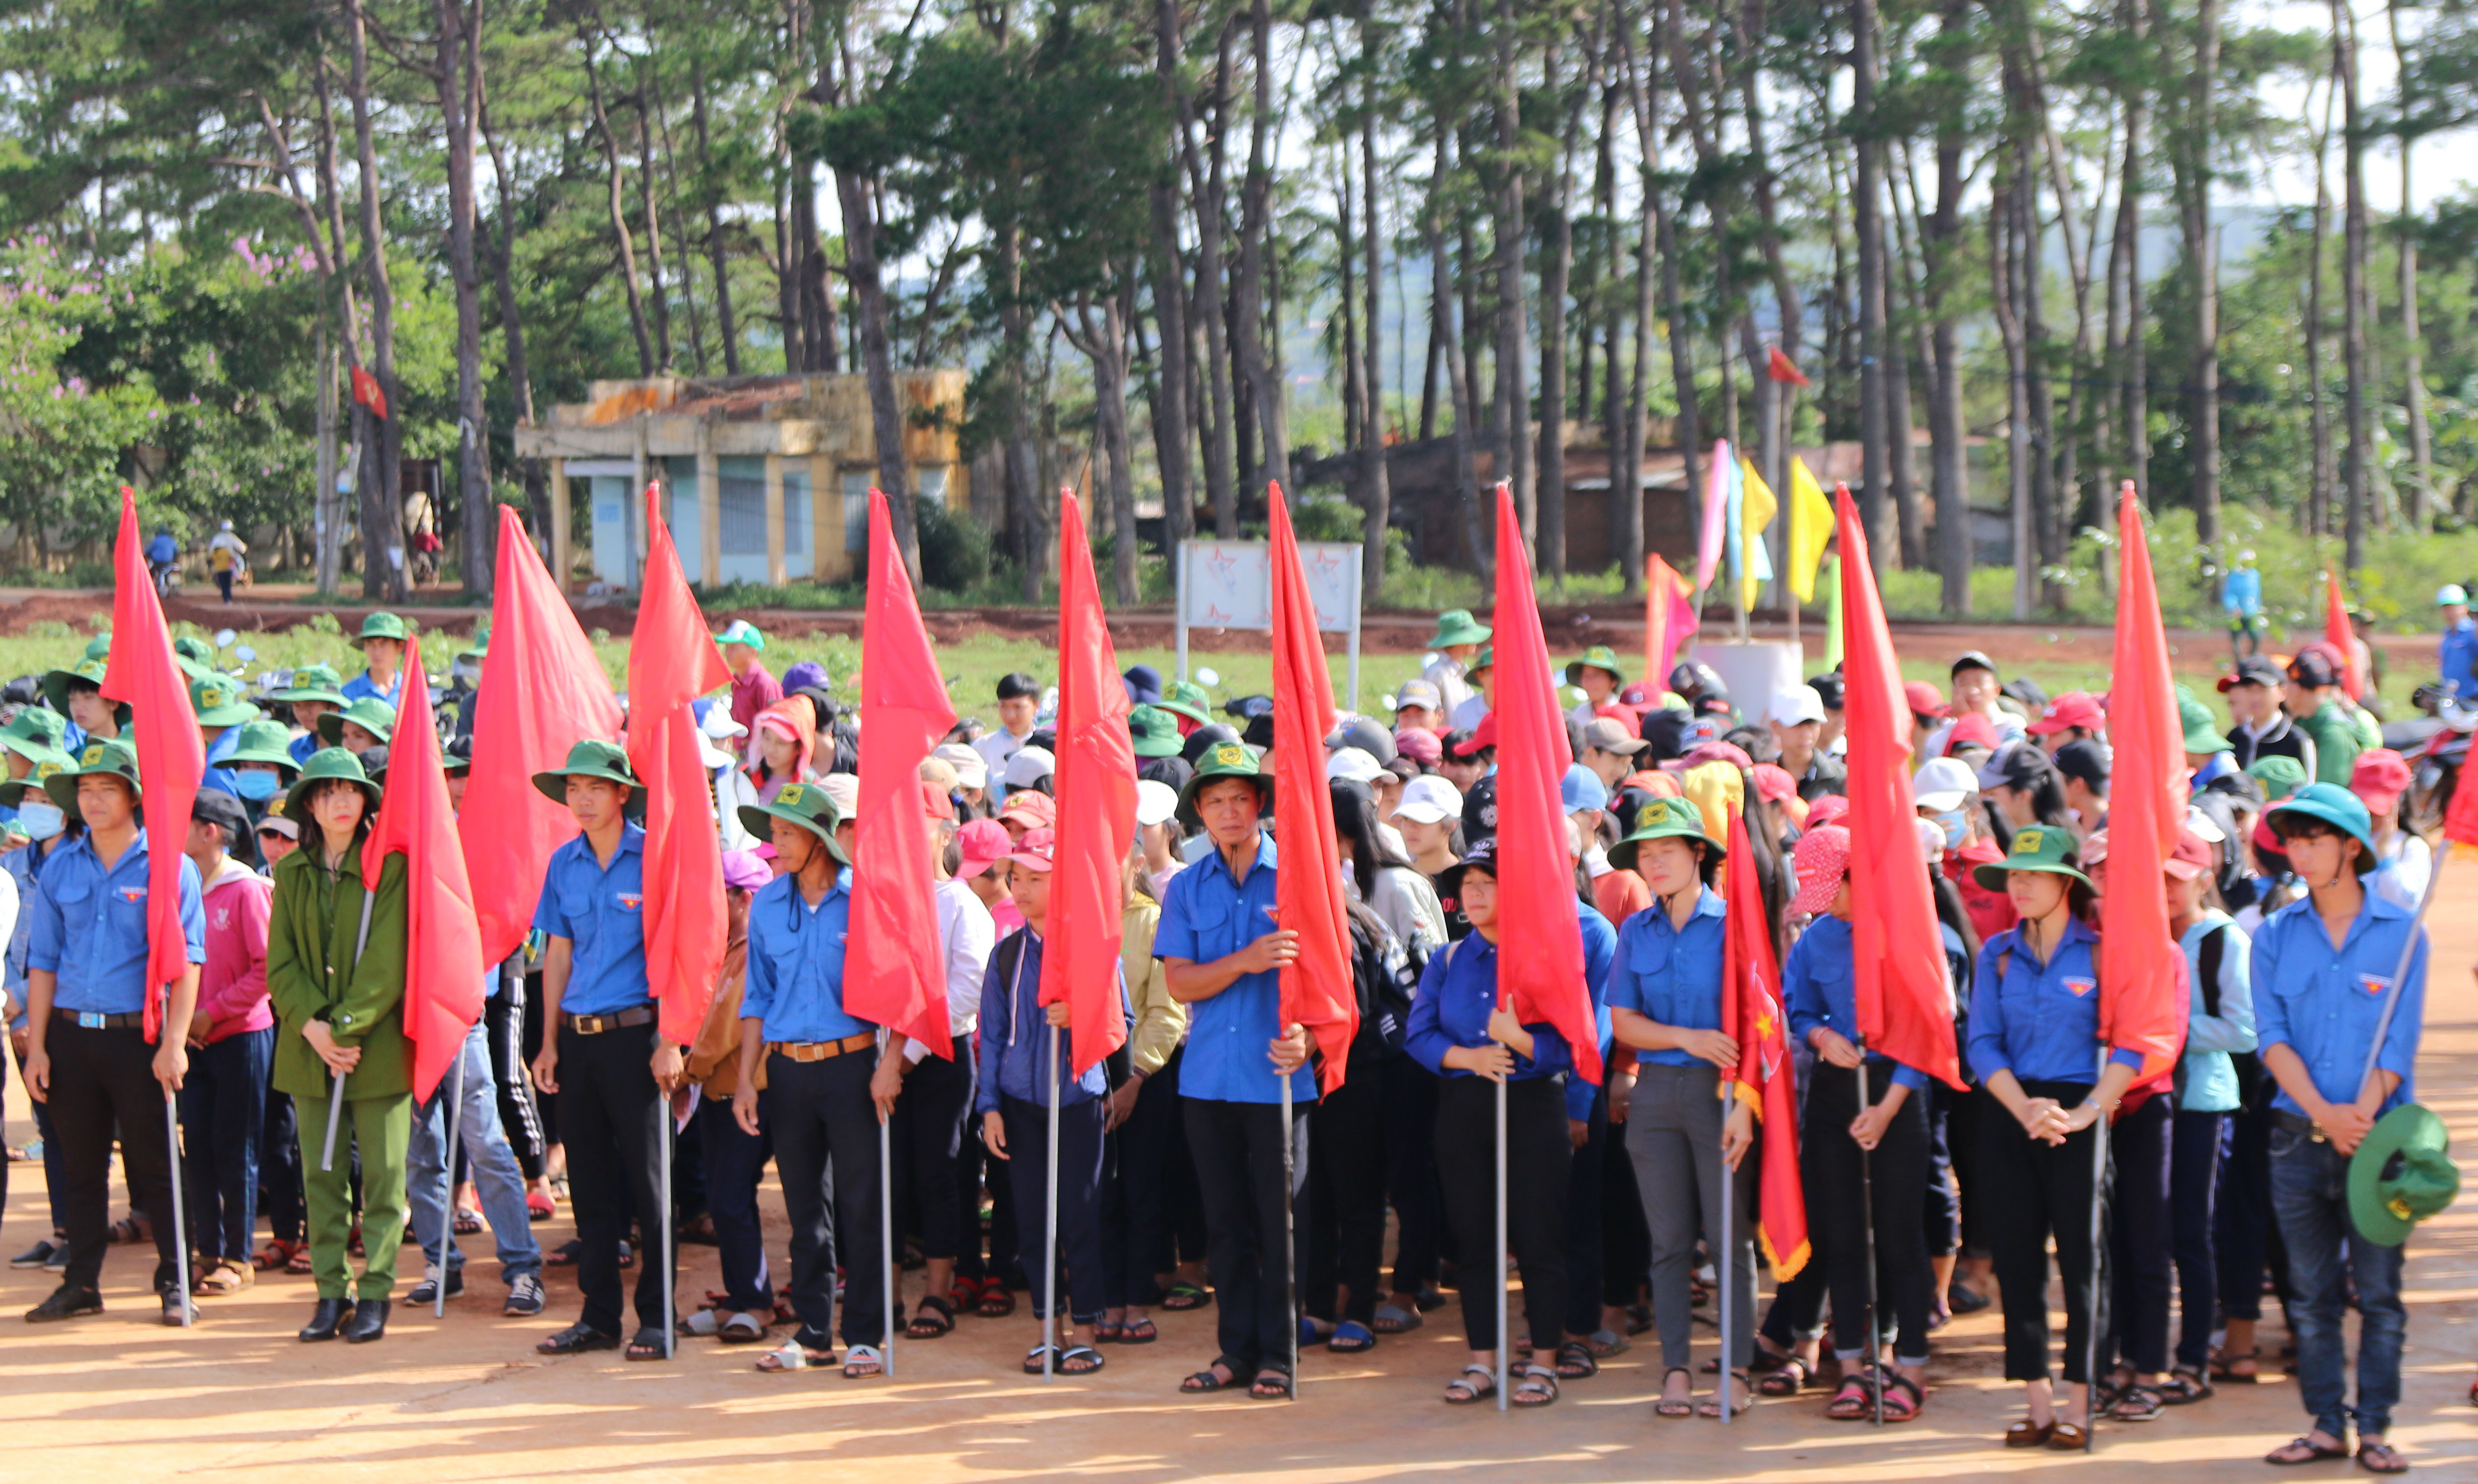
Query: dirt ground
120, 1398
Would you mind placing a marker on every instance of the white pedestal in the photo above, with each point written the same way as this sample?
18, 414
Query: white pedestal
1755, 672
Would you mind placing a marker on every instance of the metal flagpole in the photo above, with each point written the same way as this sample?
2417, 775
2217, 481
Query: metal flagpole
1727, 1256
671, 1269
1867, 1208
2400, 970
1497, 1258
448, 1233
172, 1149
2099, 1268
1290, 1243
886, 1215
336, 1098
1049, 1229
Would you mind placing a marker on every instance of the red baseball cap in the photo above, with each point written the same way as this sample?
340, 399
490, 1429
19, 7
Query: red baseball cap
1825, 810
935, 802
1773, 782
1970, 730
982, 844
1925, 699
1035, 850
2192, 857
1031, 808
2380, 778
2074, 707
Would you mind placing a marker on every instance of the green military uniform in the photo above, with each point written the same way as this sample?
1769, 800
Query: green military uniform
2336, 742
313, 972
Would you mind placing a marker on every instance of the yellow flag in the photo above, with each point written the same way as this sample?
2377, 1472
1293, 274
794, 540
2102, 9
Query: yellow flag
1756, 510
1810, 526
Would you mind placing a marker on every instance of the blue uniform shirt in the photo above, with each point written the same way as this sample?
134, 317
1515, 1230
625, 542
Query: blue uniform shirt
1015, 1036
1208, 914
2322, 1002
362, 685
303, 746
1458, 988
796, 963
1670, 974
90, 927
602, 914
1819, 983
2039, 1022
223, 778
2460, 659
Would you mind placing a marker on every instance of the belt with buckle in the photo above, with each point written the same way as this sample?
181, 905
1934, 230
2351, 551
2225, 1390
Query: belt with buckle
597, 1024
2297, 1123
92, 1020
821, 1050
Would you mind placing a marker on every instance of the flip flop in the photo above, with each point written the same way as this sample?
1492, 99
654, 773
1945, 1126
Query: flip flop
1032, 1358
863, 1361
1207, 1380
2301, 1450
1081, 1360
1394, 1319
1349, 1338
792, 1355
1139, 1332
1181, 1297
742, 1330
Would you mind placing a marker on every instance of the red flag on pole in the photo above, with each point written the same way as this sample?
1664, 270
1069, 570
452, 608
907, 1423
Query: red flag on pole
671, 662
367, 391
894, 971
1669, 619
1905, 1005
171, 757
2142, 971
1541, 937
443, 963
1779, 368
1752, 1016
1097, 808
542, 692
2337, 633
1317, 991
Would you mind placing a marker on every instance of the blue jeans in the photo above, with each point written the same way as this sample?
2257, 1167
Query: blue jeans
2196, 1142
223, 1116
2310, 1196
497, 1178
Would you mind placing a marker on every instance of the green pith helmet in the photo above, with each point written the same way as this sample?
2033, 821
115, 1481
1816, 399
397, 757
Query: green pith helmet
36, 735
91, 669
1665, 818
2041, 847
1599, 657
806, 805
1458, 626
1186, 698
325, 764
1156, 732
2202, 733
370, 714
2335, 806
1224, 760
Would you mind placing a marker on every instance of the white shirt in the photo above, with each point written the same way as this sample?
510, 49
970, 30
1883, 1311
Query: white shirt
966, 935
1447, 676
2408, 862
2009, 728
995, 750
1468, 716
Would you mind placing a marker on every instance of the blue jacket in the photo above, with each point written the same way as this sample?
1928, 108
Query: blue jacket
1458, 988
2039, 1022
2322, 1002
2460, 659
1015, 1034
1819, 984
602, 914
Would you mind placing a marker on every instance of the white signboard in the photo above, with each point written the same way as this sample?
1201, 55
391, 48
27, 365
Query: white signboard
1230, 584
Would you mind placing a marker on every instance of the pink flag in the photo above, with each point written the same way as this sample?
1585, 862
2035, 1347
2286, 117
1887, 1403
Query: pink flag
1715, 536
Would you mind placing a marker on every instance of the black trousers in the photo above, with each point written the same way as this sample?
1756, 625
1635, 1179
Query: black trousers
1237, 1149
504, 1020
929, 1136
1941, 1212
1838, 1201
279, 1172
223, 1115
2248, 1237
2196, 1144
824, 1127
1625, 1241
101, 1079
1537, 1160
615, 1118
1085, 1275
1587, 1232
2033, 1191
1411, 1173
1165, 1216
1342, 1222
2141, 1246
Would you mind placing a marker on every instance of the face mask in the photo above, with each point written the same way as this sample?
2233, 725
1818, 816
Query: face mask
43, 821
256, 786
1955, 826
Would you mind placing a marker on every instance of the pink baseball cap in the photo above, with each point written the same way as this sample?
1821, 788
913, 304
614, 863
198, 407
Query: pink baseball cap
744, 870
2192, 857
1822, 858
1773, 782
1035, 850
2380, 778
1031, 808
983, 844
2073, 709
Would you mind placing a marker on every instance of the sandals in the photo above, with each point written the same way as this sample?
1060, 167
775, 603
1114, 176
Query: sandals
1574, 1362
1605, 1343
1211, 1378
1463, 1391
1138, 1332
962, 1293
132, 1229
1394, 1319
2186, 1386
1856, 1400
1273, 1383
742, 1330
2378, 1457
1788, 1379
1081, 1360
997, 1300
298, 1265
275, 1255
1678, 1406
2136, 1403
1349, 1338
1537, 1389
468, 1221
1183, 1297
649, 1343
1108, 1331
566, 1254
2223, 1369
792, 1355
1903, 1399
863, 1361
1033, 1359
226, 1277
1712, 1404
934, 1317
2303, 1451
540, 1206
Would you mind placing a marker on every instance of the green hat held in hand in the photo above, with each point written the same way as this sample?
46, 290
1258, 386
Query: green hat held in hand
2402, 1174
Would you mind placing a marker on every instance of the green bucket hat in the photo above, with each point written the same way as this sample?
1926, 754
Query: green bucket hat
1186, 698
36, 735
1486, 659
114, 759
2335, 806
217, 701
194, 655
2201, 735
380, 626
2401, 1175
1224, 760
804, 804
592, 757
327, 763
316, 683
370, 714
2280, 775
264, 742
13, 790
2037, 848
91, 669
740, 631
1598, 657
1156, 731
1458, 626
1665, 818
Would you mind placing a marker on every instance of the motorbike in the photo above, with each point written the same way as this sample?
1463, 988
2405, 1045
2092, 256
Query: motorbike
2436, 746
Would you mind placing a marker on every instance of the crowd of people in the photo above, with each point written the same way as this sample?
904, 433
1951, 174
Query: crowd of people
2292, 890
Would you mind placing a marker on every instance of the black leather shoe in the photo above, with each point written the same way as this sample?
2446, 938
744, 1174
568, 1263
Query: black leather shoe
328, 1319
577, 1338
370, 1322
66, 1303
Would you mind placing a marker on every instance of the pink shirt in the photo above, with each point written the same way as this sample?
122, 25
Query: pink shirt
232, 984
751, 691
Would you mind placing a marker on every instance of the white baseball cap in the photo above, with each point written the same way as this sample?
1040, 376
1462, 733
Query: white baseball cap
972, 770
1797, 704
1429, 799
843, 791
1354, 764
1156, 802
1941, 784
1028, 767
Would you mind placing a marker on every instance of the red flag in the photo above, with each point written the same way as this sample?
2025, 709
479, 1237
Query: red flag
1905, 1005
1317, 991
2337, 633
443, 963
2461, 818
1669, 619
671, 662
1097, 808
2142, 971
542, 692
1778, 366
367, 391
1540, 936
172, 758
894, 973
1752, 1016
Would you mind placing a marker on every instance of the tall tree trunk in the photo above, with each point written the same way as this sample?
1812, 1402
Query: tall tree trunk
1941, 244
1104, 342
645, 182
612, 199
1753, 23
717, 255
343, 351
2004, 255
855, 194
383, 568
1209, 195
1346, 321
1171, 435
1869, 217
1255, 210
2318, 328
459, 102
1556, 262
2203, 255
1447, 335
1375, 493
1625, 469
2421, 436
1513, 402
2353, 283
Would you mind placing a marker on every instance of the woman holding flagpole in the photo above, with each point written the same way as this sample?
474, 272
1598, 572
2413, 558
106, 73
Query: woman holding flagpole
2035, 1045
1665, 1000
